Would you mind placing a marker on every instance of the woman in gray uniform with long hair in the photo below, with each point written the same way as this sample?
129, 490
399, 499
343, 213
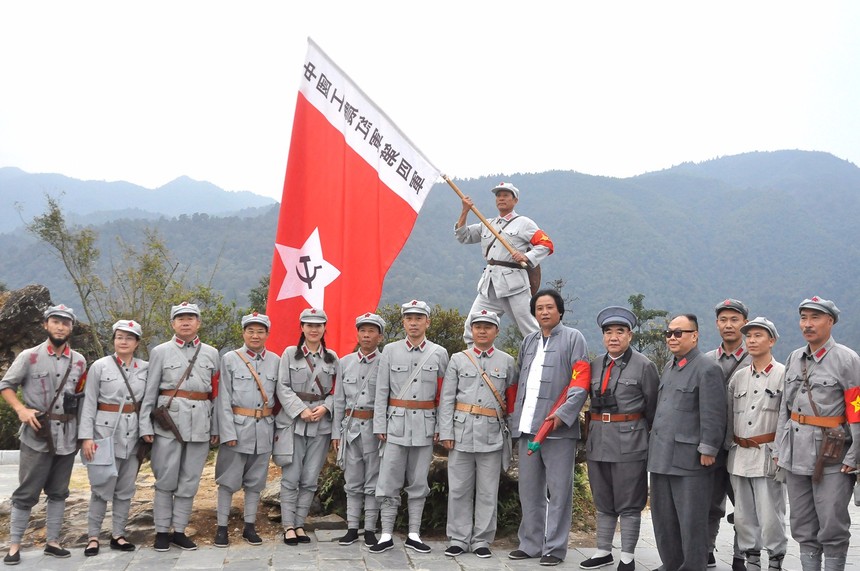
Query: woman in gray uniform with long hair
114, 388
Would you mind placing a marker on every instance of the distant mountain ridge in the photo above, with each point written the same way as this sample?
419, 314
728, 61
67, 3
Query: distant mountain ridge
769, 228
83, 198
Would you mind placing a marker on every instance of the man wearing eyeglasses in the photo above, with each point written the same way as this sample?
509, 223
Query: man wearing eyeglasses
731, 356
688, 431
821, 400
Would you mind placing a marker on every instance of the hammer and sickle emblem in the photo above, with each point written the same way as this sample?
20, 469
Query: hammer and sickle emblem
309, 277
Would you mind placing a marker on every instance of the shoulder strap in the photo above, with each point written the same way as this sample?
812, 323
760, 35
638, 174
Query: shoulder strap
256, 377
185, 374
315, 374
501, 410
62, 383
415, 374
493, 241
735, 366
124, 378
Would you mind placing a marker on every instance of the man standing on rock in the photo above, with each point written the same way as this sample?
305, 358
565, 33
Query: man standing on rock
731, 355
404, 419
352, 429
176, 416
51, 378
246, 397
504, 285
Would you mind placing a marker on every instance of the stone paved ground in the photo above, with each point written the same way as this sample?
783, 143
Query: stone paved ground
325, 554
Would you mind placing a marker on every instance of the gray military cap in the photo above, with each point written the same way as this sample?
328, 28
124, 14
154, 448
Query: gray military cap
370, 319
184, 308
763, 323
60, 311
257, 318
128, 326
313, 315
506, 186
616, 315
822, 305
415, 306
484, 316
734, 305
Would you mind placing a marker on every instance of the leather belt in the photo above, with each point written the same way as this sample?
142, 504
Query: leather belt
62, 417
125, 409
475, 409
607, 417
359, 414
190, 395
310, 397
514, 265
754, 441
822, 421
419, 404
253, 412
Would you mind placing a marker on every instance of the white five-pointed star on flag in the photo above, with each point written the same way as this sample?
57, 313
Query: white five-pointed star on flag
308, 273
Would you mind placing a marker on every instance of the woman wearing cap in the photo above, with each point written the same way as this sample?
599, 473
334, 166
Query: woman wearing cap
115, 386
306, 380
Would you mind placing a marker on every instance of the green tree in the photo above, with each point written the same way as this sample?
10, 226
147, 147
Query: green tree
446, 326
258, 297
76, 248
648, 338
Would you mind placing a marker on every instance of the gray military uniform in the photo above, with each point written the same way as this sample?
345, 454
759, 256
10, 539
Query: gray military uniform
503, 289
311, 440
408, 450
546, 477
690, 421
617, 449
474, 464
245, 465
177, 466
819, 511
39, 371
356, 392
105, 385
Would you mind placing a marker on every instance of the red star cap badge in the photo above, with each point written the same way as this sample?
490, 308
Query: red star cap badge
255, 314
727, 302
414, 302
184, 303
313, 310
483, 312
367, 315
814, 298
131, 323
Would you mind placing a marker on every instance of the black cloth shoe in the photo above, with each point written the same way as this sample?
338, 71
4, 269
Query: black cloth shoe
626, 566
417, 546
12, 558
303, 537
115, 544
518, 554
369, 538
181, 541
739, 564
57, 552
712, 561
91, 551
162, 541
454, 551
350, 537
290, 540
597, 562
221, 539
249, 534
382, 546
550, 560
483, 552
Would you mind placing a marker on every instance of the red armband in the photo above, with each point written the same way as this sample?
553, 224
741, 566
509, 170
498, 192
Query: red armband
581, 375
852, 404
215, 378
510, 398
438, 389
82, 382
541, 239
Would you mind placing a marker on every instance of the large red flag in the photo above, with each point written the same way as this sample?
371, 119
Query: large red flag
353, 189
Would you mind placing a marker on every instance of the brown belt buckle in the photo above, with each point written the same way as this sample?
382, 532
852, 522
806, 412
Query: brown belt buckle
605, 417
801, 418
258, 413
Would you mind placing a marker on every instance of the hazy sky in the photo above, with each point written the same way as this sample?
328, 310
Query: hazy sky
149, 91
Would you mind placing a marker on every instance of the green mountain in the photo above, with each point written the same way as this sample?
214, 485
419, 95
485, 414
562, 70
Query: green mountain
768, 228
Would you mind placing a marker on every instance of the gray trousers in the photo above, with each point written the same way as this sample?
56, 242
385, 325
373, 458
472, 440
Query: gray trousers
299, 479
819, 512
177, 468
473, 492
546, 496
235, 471
680, 518
760, 514
722, 489
516, 306
399, 464
119, 491
38, 471
361, 472
619, 489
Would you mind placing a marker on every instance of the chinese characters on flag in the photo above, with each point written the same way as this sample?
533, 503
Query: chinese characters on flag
352, 192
